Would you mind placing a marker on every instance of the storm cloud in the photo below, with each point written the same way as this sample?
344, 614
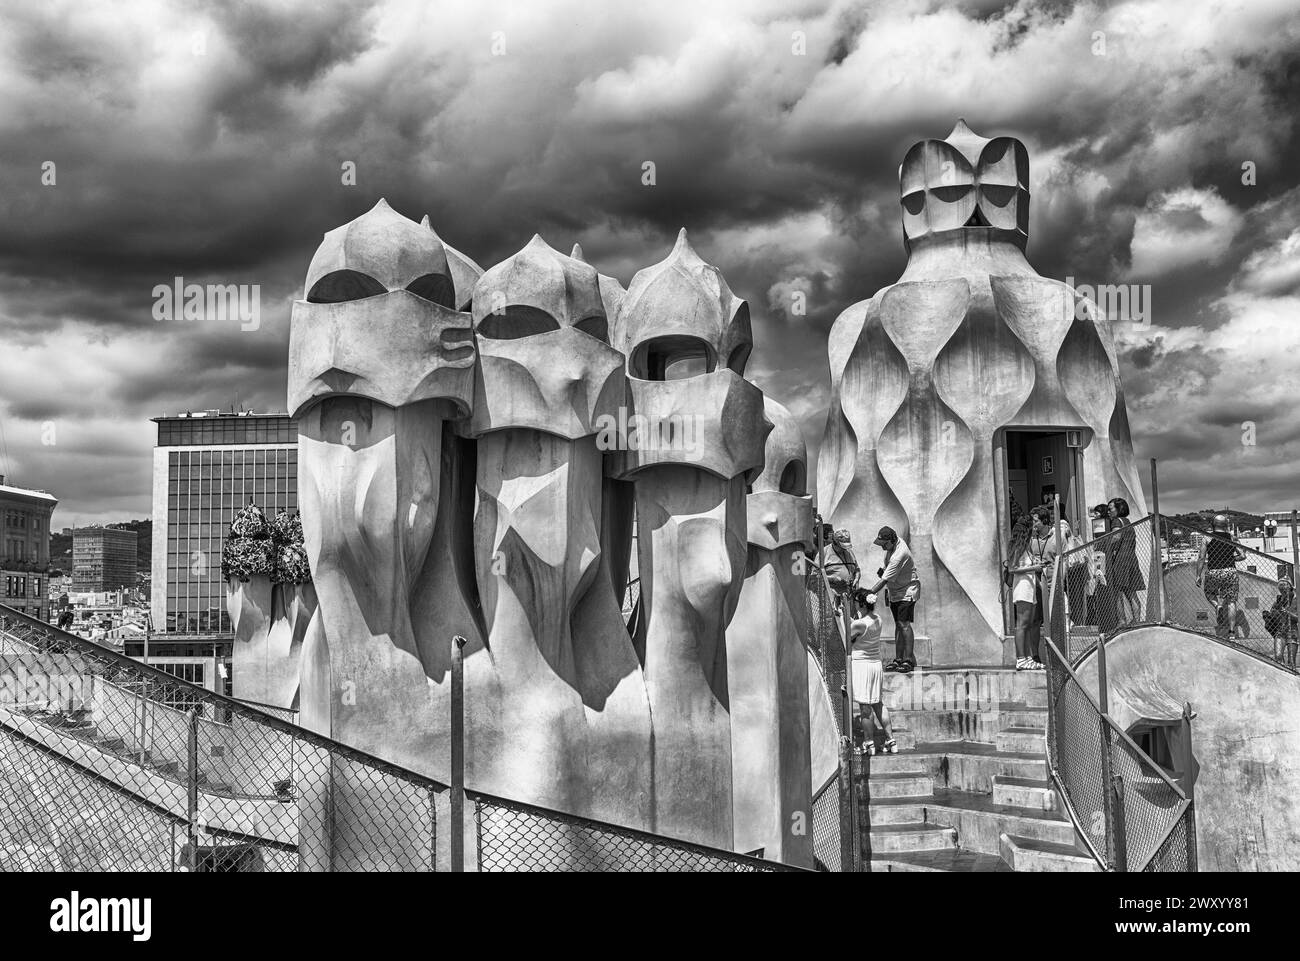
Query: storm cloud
145, 141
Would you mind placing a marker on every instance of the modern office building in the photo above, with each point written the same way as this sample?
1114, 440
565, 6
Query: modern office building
208, 465
103, 559
25, 549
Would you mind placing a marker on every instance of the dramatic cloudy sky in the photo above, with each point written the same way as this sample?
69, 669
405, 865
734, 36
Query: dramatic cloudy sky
207, 142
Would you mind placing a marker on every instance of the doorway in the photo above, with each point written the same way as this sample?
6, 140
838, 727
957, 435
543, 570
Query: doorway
1034, 467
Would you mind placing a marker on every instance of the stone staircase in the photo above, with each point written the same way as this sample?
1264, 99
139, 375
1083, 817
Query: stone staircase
969, 789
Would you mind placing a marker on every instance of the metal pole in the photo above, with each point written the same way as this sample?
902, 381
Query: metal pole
1186, 752
852, 793
1121, 831
1058, 574
1295, 569
192, 779
1103, 700
1156, 589
458, 753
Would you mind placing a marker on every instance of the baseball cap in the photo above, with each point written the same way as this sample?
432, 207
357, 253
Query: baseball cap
885, 536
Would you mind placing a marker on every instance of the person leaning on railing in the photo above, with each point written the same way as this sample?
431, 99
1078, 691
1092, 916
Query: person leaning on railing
1282, 620
1122, 567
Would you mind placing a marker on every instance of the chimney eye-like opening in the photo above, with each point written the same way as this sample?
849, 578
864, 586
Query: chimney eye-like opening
794, 479
673, 358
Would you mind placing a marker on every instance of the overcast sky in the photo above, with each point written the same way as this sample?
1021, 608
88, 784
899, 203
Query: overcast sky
208, 143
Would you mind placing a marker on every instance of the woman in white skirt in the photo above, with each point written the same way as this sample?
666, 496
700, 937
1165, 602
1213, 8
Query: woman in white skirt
869, 674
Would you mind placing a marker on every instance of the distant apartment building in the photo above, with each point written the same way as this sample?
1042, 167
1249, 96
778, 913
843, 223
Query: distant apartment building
25, 549
103, 559
206, 467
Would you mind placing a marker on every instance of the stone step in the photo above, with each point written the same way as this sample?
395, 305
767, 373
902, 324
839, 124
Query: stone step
902, 810
965, 765
167, 768
1034, 718
1025, 793
963, 689
978, 820
933, 726
901, 785
909, 837
1026, 854
1021, 740
946, 859
905, 762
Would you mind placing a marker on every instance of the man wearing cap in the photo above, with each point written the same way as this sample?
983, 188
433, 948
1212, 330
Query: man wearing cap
899, 578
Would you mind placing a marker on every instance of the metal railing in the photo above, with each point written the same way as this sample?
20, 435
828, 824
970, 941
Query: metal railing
1131, 814
97, 772
836, 839
1137, 576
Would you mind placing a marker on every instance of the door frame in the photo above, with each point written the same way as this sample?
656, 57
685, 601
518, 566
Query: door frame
1001, 490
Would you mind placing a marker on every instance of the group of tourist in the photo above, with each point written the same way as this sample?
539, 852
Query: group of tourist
898, 579
1101, 584
1102, 579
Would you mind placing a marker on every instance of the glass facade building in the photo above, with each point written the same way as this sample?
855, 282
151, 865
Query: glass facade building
103, 559
206, 467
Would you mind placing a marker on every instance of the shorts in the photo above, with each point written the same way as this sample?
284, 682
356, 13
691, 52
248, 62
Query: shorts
903, 611
1222, 585
1028, 614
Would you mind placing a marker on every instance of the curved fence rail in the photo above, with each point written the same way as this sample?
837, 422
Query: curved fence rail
1131, 814
99, 771
1181, 577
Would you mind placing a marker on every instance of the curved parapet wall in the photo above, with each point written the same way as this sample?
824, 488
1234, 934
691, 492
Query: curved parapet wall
1245, 737
928, 372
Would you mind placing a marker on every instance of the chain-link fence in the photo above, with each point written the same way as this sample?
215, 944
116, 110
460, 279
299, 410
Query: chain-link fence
1128, 810
1194, 580
521, 837
833, 824
109, 764
1217, 587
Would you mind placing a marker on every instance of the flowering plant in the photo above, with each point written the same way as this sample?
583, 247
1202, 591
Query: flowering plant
255, 547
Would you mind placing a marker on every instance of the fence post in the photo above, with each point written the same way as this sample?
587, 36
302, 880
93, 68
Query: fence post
1103, 699
1295, 564
1186, 740
1156, 589
192, 781
852, 845
1117, 808
458, 753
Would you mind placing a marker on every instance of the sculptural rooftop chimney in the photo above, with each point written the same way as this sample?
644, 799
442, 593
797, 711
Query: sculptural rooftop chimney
964, 183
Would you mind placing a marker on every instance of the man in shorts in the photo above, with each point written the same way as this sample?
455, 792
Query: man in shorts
903, 586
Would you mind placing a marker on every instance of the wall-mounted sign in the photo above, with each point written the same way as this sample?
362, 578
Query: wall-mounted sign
1049, 466
1074, 438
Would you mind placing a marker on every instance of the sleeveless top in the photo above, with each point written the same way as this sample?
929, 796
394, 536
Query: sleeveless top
1220, 554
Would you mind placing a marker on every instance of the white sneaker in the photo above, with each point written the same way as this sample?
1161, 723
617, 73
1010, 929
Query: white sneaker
1022, 663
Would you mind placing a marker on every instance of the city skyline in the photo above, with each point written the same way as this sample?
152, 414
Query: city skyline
213, 147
